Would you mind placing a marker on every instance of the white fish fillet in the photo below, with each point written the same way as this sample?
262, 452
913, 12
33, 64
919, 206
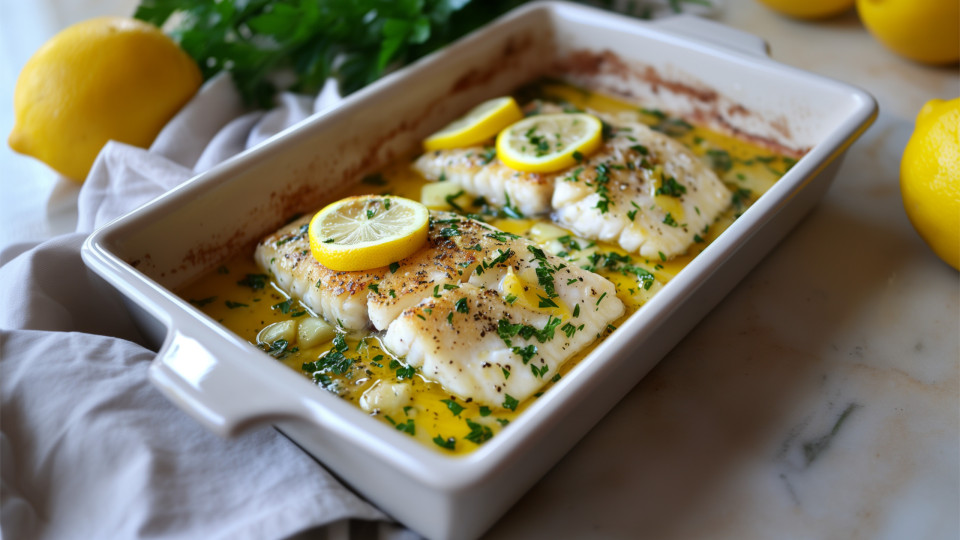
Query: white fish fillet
442, 307
515, 346
642, 190
468, 167
611, 196
359, 299
336, 296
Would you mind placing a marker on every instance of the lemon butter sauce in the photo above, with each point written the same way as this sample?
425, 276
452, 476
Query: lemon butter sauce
246, 300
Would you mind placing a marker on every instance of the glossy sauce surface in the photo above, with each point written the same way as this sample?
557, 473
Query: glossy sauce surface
244, 299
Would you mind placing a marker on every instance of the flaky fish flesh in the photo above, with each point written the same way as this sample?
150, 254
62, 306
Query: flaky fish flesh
642, 189
487, 314
483, 175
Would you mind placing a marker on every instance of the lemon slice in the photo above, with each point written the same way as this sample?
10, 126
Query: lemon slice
369, 231
549, 142
479, 124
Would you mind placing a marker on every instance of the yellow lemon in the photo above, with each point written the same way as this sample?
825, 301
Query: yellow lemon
105, 78
549, 142
930, 178
926, 31
479, 124
368, 231
809, 9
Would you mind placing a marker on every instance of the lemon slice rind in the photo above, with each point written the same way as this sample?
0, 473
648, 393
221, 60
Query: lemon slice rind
368, 231
549, 142
479, 124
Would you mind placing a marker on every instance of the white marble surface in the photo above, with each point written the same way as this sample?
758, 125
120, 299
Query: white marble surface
819, 400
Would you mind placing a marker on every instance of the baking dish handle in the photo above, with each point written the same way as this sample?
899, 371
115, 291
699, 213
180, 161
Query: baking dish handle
713, 33
215, 390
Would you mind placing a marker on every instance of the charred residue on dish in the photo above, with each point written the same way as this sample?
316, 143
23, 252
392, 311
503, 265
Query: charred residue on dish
709, 107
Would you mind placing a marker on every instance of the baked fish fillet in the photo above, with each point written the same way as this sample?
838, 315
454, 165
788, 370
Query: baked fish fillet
478, 174
643, 190
360, 299
483, 312
520, 314
336, 296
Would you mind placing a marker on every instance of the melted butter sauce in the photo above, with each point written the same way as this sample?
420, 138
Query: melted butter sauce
242, 298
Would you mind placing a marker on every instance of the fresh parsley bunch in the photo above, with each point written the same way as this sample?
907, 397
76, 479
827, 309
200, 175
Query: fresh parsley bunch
262, 42
298, 44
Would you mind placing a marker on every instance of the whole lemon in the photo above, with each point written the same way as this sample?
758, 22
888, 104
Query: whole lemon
809, 9
105, 78
926, 31
930, 178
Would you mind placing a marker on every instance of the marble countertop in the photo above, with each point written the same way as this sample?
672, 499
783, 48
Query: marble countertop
820, 399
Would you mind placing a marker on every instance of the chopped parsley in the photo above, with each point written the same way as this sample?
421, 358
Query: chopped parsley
405, 372
254, 281
545, 271
448, 232
454, 407
449, 443
741, 197
501, 236
526, 353
510, 210
488, 155
602, 179
671, 188
506, 330
451, 200
407, 427
278, 349
333, 360
720, 160
546, 302
478, 433
615, 262
284, 307
673, 127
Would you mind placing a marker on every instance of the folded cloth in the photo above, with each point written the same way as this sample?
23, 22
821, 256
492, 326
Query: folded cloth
88, 448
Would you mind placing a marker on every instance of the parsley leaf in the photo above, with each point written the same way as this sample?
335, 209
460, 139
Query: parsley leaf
454, 407
355, 42
478, 433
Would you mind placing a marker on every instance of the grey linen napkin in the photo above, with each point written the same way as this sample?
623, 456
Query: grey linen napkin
88, 448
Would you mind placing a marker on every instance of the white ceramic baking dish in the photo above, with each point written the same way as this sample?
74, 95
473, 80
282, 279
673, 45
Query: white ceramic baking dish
687, 66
